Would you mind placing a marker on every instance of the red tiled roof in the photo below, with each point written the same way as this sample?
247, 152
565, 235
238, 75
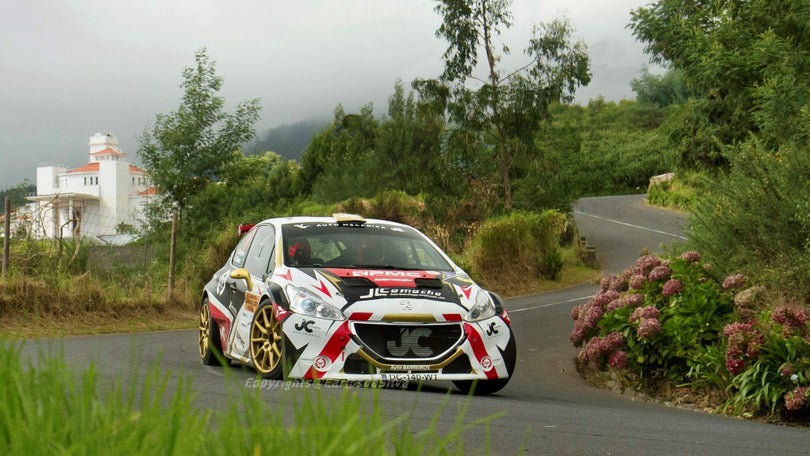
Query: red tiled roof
88, 168
93, 168
151, 191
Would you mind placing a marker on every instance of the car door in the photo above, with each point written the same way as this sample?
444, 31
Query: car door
230, 291
259, 256
257, 262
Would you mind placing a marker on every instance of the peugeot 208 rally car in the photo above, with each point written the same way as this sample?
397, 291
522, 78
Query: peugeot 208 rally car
345, 298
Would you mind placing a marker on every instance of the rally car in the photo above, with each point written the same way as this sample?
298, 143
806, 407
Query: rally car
346, 298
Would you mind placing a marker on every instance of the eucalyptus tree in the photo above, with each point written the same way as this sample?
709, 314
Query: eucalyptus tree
504, 106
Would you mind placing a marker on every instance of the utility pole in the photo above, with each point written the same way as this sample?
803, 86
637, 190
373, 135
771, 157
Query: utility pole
6, 234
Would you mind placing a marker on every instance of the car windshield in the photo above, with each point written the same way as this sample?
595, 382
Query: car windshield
359, 246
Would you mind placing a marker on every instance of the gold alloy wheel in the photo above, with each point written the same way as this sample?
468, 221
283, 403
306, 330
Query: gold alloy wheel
265, 341
204, 337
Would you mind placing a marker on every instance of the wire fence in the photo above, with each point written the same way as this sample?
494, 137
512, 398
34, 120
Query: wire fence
85, 236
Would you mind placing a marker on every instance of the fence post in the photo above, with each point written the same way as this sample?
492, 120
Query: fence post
6, 234
172, 249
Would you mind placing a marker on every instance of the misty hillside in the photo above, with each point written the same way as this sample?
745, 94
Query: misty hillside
289, 140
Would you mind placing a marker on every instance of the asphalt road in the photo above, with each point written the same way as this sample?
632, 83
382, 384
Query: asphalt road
546, 409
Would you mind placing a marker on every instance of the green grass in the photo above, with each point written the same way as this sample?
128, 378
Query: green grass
49, 409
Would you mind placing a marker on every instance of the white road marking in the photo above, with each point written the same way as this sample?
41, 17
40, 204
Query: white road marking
551, 304
631, 225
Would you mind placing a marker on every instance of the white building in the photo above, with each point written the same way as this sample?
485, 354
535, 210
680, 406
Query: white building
102, 199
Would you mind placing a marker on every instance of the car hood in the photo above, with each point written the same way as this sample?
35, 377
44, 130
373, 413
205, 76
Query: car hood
353, 289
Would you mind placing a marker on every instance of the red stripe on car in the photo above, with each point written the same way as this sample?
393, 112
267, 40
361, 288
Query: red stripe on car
478, 348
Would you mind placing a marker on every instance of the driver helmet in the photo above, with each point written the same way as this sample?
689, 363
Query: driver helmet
300, 251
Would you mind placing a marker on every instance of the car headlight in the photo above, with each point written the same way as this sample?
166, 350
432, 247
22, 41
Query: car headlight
484, 307
305, 302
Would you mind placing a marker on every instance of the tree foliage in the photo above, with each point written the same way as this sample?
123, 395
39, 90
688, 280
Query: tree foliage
664, 90
745, 60
505, 106
17, 194
604, 148
334, 162
187, 149
289, 141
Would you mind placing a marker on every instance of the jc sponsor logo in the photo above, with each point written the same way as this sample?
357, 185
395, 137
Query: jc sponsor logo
491, 330
409, 341
304, 325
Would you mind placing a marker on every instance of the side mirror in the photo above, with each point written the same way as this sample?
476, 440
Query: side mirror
243, 274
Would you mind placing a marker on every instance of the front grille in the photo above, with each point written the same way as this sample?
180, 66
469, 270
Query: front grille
394, 342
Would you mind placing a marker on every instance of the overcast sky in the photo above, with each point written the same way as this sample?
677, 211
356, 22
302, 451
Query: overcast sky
72, 68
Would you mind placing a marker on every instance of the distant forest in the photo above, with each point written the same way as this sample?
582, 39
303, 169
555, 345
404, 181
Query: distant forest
289, 141
16, 195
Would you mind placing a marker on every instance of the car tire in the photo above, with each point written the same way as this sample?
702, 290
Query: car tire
487, 387
266, 343
208, 338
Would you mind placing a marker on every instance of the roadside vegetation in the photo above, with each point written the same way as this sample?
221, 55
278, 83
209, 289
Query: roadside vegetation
721, 320
50, 410
490, 172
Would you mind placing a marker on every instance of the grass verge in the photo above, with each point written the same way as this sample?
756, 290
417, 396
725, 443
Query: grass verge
48, 409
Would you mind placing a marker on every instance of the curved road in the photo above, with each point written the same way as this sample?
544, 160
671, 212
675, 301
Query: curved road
546, 409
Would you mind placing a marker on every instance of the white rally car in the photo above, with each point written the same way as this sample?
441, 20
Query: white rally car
344, 298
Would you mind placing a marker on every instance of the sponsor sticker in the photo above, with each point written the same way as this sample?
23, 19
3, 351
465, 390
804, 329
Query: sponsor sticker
409, 367
322, 364
385, 292
251, 301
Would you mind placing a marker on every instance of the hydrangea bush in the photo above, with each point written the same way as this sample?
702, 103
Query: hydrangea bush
668, 319
651, 318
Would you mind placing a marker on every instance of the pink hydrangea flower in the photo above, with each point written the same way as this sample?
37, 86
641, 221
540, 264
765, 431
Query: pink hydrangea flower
637, 281
648, 327
672, 287
660, 273
744, 342
576, 311
635, 299
616, 304
613, 282
691, 256
618, 359
796, 399
794, 323
735, 366
598, 347
603, 298
647, 263
734, 281
644, 312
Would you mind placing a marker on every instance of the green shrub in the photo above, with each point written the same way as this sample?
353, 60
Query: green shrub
521, 244
755, 219
680, 193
